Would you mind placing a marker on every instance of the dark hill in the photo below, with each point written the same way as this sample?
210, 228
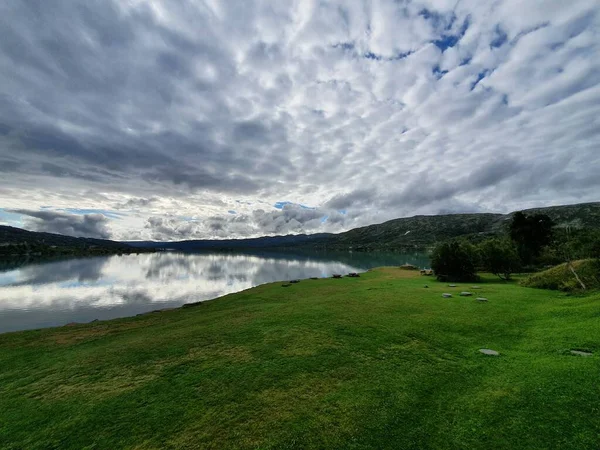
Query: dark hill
291, 240
424, 231
15, 241
415, 232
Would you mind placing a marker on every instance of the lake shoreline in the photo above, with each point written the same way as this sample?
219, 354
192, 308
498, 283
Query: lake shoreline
380, 356
79, 290
184, 306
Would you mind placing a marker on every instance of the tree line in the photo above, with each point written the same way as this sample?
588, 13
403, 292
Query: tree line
34, 248
530, 243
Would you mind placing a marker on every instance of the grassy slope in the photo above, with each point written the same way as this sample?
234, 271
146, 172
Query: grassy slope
562, 278
372, 362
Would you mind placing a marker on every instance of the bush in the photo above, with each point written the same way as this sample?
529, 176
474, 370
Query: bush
500, 257
562, 278
454, 261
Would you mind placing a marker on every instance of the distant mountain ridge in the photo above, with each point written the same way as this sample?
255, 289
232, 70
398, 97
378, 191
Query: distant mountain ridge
225, 244
409, 232
15, 236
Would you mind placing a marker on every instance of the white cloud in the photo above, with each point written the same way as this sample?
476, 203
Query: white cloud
172, 112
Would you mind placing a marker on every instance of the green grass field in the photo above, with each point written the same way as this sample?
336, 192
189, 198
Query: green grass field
376, 362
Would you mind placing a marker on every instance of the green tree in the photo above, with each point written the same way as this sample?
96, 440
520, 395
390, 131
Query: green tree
454, 261
500, 257
530, 234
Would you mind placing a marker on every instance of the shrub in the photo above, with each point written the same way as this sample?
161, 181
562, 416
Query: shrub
562, 278
500, 257
454, 261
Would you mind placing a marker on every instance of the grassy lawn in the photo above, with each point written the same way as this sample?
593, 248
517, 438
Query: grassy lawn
356, 363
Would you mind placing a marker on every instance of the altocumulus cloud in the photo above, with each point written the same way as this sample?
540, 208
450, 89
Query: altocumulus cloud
174, 113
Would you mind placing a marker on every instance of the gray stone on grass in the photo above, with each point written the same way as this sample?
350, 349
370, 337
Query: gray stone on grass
482, 299
580, 353
451, 285
466, 294
487, 351
446, 295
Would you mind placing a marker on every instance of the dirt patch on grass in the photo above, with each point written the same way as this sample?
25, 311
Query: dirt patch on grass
307, 343
55, 387
76, 334
231, 354
397, 272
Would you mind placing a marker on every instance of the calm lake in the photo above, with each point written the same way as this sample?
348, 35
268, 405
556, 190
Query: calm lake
44, 294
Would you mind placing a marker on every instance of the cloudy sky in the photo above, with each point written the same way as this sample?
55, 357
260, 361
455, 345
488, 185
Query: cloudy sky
143, 119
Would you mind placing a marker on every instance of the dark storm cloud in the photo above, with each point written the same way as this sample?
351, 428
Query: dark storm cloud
85, 225
359, 198
91, 65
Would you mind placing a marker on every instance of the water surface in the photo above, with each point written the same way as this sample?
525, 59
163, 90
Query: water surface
43, 294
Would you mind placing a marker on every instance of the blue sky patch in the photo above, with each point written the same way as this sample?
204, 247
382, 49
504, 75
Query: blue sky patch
188, 219
401, 55
345, 45
500, 39
434, 17
480, 76
12, 219
450, 40
439, 73
281, 205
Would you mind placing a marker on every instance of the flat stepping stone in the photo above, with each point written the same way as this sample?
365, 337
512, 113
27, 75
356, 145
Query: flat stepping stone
446, 295
482, 299
580, 353
487, 351
451, 285
466, 294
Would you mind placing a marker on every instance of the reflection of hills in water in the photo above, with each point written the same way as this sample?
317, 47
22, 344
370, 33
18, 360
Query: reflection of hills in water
58, 292
362, 260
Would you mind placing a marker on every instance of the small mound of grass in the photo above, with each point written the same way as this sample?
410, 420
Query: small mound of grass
561, 277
